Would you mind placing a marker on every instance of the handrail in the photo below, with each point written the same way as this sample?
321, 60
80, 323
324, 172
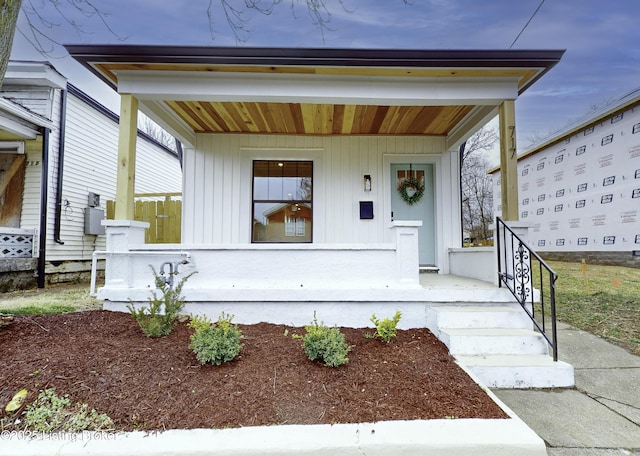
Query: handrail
516, 273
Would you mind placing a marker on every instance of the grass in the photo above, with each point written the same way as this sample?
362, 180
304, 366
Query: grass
50, 300
602, 300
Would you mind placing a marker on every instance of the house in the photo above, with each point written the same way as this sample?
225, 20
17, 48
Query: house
364, 143
58, 160
579, 190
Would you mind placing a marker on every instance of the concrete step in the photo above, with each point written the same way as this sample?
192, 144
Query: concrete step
481, 316
493, 341
519, 371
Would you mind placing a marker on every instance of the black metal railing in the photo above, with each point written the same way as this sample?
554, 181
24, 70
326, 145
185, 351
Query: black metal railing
531, 281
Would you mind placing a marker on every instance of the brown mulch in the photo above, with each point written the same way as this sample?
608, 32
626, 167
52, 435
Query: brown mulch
102, 358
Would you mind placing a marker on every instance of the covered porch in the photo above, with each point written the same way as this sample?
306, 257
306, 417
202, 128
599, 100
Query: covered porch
295, 163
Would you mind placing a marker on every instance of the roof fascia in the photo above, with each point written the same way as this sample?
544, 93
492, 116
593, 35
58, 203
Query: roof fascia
186, 86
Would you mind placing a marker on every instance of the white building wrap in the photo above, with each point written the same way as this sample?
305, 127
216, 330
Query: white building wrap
581, 191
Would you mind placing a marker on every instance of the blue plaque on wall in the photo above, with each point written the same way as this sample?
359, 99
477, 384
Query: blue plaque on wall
366, 210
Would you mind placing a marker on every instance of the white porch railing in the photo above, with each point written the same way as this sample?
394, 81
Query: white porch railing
18, 243
261, 272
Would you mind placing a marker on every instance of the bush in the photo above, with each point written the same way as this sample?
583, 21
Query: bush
215, 343
387, 328
325, 344
50, 413
161, 316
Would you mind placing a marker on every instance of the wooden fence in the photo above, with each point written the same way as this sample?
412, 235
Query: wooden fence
163, 215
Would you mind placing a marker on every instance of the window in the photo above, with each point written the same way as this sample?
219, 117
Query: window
581, 150
282, 201
582, 241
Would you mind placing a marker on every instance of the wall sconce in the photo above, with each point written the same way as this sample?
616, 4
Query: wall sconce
367, 182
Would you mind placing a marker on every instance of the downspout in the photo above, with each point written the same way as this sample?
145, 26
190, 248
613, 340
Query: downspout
60, 170
460, 163
44, 190
179, 152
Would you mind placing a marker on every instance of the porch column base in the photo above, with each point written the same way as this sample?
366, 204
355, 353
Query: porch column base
407, 249
121, 234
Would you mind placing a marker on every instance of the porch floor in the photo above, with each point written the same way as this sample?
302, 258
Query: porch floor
433, 281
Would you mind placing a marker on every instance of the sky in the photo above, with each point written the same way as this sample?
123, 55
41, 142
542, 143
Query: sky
601, 39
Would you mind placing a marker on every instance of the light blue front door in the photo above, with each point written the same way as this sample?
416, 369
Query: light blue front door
422, 209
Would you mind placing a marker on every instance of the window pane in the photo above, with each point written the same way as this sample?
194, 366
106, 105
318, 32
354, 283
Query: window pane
282, 207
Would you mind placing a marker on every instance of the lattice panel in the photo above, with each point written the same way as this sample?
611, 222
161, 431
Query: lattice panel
16, 246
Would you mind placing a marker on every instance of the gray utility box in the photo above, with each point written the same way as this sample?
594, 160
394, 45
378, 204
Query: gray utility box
92, 221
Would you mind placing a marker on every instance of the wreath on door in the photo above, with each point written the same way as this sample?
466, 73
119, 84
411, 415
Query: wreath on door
411, 190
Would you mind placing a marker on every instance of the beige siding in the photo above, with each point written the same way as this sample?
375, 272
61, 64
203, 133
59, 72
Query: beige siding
217, 193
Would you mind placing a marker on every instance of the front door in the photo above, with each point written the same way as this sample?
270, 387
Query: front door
405, 206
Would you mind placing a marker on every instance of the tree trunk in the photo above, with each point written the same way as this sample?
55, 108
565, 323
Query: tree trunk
9, 10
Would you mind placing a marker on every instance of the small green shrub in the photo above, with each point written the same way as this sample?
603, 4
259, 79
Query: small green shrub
161, 316
324, 344
49, 413
387, 328
215, 343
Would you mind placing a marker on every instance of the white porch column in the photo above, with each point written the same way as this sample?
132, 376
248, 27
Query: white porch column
121, 234
405, 233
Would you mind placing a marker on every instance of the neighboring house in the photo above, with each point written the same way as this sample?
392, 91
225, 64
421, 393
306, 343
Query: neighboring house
579, 190
337, 134
58, 162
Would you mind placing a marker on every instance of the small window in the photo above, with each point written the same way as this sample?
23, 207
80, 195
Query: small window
581, 150
582, 241
560, 193
559, 158
580, 203
558, 208
540, 166
582, 187
282, 201
540, 211
609, 240
559, 242
608, 181
618, 118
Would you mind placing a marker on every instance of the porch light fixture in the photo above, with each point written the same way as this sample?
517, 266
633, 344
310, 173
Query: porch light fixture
367, 182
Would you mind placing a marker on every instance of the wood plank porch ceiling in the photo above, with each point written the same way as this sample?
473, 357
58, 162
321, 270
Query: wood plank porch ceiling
318, 119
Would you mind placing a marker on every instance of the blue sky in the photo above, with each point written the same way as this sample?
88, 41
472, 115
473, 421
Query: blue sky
601, 63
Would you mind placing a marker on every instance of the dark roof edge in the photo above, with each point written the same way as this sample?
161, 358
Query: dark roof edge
314, 56
114, 117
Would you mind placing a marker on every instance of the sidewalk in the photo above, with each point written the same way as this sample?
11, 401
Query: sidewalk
601, 416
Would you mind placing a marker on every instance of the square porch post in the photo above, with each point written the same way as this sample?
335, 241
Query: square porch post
125, 184
508, 161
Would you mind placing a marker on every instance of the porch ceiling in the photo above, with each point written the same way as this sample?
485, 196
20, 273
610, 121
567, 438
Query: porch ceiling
412, 92
317, 119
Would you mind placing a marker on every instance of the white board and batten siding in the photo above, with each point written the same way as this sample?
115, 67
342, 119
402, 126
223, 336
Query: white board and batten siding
218, 182
582, 192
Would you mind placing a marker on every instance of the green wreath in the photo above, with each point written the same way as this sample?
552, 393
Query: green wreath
410, 183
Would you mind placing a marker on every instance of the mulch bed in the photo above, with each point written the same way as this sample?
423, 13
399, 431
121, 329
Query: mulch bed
103, 359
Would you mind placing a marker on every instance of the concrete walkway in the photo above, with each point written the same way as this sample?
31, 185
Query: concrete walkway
601, 416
